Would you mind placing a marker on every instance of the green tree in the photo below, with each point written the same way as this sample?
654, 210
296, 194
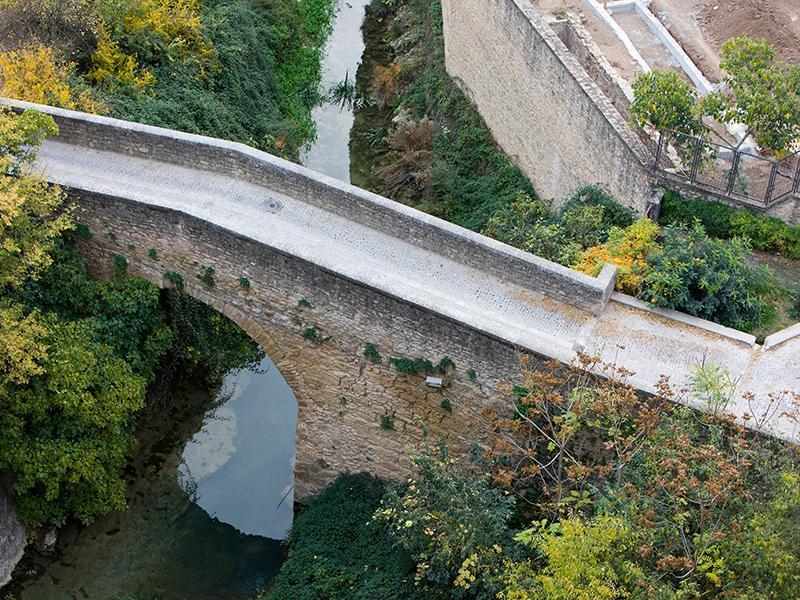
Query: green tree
763, 95
77, 354
31, 212
67, 433
662, 99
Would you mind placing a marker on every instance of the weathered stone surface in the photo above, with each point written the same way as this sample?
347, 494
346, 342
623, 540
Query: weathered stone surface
12, 537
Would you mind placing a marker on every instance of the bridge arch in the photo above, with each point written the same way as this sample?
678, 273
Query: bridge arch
342, 397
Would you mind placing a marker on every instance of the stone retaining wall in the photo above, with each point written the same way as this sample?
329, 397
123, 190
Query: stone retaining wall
543, 108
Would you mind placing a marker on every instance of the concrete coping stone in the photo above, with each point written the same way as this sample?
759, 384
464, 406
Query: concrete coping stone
674, 315
372, 209
784, 335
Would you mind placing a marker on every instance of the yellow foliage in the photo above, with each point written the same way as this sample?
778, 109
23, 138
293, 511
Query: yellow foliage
22, 347
176, 22
628, 249
34, 75
112, 67
32, 213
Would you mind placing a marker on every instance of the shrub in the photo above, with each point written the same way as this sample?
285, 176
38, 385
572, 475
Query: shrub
628, 249
510, 224
794, 312
527, 224
33, 74
384, 84
594, 559
706, 278
156, 31
767, 233
722, 221
244, 283
311, 334
411, 152
585, 225
112, 68
714, 216
614, 214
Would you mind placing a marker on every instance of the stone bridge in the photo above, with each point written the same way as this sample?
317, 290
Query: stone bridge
315, 269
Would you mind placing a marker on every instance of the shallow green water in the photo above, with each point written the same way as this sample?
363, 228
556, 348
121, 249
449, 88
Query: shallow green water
189, 537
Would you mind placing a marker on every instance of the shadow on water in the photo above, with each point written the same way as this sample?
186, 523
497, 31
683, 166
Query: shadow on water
198, 536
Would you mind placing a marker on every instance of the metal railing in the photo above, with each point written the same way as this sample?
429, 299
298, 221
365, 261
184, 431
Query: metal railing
721, 168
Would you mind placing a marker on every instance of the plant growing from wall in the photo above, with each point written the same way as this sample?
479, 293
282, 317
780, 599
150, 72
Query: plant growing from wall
175, 279
387, 422
371, 353
152, 253
303, 303
120, 263
414, 366
244, 283
207, 276
311, 334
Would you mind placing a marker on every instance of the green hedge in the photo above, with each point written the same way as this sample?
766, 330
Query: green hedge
336, 549
722, 221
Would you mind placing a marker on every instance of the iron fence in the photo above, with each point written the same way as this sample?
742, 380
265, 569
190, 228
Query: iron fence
721, 168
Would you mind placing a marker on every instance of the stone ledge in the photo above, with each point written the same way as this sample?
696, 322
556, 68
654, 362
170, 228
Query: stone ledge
784, 335
674, 315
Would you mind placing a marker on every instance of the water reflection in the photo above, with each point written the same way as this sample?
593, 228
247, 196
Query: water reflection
239, 466
330, 152
202, 544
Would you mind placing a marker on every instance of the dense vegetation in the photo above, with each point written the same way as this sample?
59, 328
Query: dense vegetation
79, 354
587, 490
438, 155
245, 70
339, 551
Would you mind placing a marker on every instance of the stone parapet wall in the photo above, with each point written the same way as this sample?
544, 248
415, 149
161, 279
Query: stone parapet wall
542, 106
359, 205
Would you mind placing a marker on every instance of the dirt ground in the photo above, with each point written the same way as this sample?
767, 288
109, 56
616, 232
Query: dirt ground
702, 26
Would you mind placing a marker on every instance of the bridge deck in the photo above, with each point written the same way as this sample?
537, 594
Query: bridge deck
646, 342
